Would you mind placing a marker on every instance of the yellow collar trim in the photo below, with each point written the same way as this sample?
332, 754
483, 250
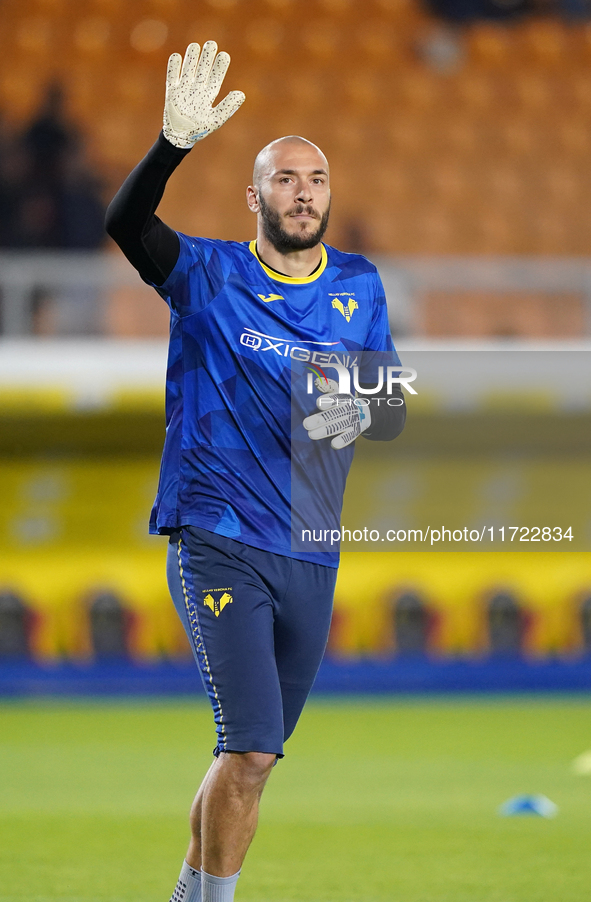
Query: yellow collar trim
277, 277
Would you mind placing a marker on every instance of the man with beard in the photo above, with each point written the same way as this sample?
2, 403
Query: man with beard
246, 320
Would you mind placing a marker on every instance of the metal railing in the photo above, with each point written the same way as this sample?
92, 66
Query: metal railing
76, 280
406, 279
79, 283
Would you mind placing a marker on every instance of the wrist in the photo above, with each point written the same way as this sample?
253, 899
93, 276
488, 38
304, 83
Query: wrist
170, 149
177, 139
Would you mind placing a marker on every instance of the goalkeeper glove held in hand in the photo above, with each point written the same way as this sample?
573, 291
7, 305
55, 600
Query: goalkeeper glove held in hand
342, 416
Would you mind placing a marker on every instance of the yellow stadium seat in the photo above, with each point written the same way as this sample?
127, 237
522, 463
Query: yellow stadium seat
337, 8
521, 99
264, 36
376, 39
491, 44
323, 40
546, 41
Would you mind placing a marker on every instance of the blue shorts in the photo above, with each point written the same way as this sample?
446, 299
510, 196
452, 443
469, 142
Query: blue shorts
258, 625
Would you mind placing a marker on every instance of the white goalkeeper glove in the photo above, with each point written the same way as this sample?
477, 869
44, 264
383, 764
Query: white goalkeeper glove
192, 85
342, 416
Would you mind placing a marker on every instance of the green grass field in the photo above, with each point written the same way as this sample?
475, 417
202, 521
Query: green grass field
376, 801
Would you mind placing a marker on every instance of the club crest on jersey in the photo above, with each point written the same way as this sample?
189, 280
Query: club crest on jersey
218, 603
346, 309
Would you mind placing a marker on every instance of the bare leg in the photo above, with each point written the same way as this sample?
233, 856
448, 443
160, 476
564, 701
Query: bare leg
193, 856
225, 811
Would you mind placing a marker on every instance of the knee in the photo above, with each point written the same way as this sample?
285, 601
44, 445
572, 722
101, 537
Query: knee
253, 767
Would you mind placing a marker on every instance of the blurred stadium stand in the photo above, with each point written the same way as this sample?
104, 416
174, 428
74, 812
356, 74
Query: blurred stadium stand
485, 156
460, 163
481, 151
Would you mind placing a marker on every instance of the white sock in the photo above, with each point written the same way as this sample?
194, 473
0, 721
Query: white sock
188, 887
218, 889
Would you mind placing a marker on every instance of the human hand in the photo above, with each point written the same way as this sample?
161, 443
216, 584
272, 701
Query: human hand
192, 85
342, 416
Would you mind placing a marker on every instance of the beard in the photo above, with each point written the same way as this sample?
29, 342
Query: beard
282, 240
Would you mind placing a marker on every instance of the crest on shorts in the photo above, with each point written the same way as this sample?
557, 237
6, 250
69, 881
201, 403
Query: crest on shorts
217, 603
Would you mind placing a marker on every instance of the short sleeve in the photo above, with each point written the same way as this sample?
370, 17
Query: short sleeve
199, 274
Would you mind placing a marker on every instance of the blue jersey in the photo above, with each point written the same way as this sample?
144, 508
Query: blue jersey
243, 340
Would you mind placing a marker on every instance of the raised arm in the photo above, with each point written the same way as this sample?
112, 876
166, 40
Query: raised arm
150, 246
192, 85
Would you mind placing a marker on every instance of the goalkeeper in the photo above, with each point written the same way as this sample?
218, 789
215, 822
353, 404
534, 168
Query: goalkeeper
248, 323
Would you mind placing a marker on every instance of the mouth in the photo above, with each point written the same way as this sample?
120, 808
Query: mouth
302, 212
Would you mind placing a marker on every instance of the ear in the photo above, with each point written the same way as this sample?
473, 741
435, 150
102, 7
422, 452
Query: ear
252, 199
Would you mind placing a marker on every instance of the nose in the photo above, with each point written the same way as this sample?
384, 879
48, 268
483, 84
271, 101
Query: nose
304, 195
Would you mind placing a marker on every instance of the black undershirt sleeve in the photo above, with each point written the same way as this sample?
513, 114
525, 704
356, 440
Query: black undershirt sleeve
387, 419
150, 246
